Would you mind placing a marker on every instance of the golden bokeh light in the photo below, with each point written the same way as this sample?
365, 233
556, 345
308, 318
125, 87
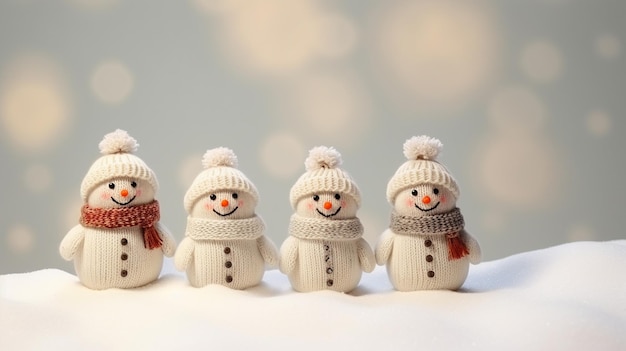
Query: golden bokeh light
282, 154
20, 239
516, 109
282, 36
35, 108
521, 170
542, 61
608, 46
112, 82
599, 123
329, 108
437, 52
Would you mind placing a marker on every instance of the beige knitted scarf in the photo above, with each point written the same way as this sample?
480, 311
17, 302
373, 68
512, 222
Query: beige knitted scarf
142, 215
448, 224
325, 229
225, 229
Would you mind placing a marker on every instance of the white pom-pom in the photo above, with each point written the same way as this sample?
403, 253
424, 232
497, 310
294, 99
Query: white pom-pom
422, 147
221, 156
322, 157
118, 142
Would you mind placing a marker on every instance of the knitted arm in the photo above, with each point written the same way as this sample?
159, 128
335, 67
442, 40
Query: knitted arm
169, 244
366, 256
268, 251
475, 254
184, 254
288, 255
71, 242
384, 247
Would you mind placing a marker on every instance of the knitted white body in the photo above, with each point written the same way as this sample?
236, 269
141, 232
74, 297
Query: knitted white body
412, 257
325, 249
237, 264
224, 242
310, 271
426, 246
119, 242
105, 260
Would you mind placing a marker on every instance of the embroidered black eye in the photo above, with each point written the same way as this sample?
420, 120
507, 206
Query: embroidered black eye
235, 195
212, 197
111, 186
316, 198
414, 192
133, 184
337, 196
435, 191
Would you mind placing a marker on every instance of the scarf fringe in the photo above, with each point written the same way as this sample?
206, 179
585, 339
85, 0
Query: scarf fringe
151, 238
456, 247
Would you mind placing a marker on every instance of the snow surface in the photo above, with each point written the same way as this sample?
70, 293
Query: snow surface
567, 297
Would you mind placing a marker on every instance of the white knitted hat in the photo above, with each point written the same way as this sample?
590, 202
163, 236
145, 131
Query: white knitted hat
220, 173
323, 175
421, 167
117, 161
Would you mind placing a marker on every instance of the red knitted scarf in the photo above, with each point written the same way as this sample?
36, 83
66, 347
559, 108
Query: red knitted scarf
142, 215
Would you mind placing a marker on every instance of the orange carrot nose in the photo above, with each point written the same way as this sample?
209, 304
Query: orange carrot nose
224, 203
426, 199
124, 192
328, 205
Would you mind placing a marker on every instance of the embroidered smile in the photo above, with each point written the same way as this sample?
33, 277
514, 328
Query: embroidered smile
328, 215
123, 203
227, 214
427, 209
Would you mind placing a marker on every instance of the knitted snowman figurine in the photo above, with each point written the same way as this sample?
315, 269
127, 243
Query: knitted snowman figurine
224, 242
426, 246
119, 242
325, 249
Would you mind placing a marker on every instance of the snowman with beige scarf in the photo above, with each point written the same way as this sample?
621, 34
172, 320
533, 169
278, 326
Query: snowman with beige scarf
426, 246
224, 240
325, 249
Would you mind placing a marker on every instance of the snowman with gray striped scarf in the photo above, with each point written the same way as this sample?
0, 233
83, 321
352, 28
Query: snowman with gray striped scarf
426, 246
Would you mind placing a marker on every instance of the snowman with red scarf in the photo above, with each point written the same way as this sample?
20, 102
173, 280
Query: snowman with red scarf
119, 242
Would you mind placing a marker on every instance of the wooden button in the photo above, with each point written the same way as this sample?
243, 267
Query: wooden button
124, 257
431, 274
227, 250
329, 270
228, 264
124, 241
329, 282
429, 258
124, 273
229, 278
428, 243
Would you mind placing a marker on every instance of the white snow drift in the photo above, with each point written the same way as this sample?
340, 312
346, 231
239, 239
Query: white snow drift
566, 297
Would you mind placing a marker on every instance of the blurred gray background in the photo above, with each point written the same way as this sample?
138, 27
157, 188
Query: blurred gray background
528, 98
